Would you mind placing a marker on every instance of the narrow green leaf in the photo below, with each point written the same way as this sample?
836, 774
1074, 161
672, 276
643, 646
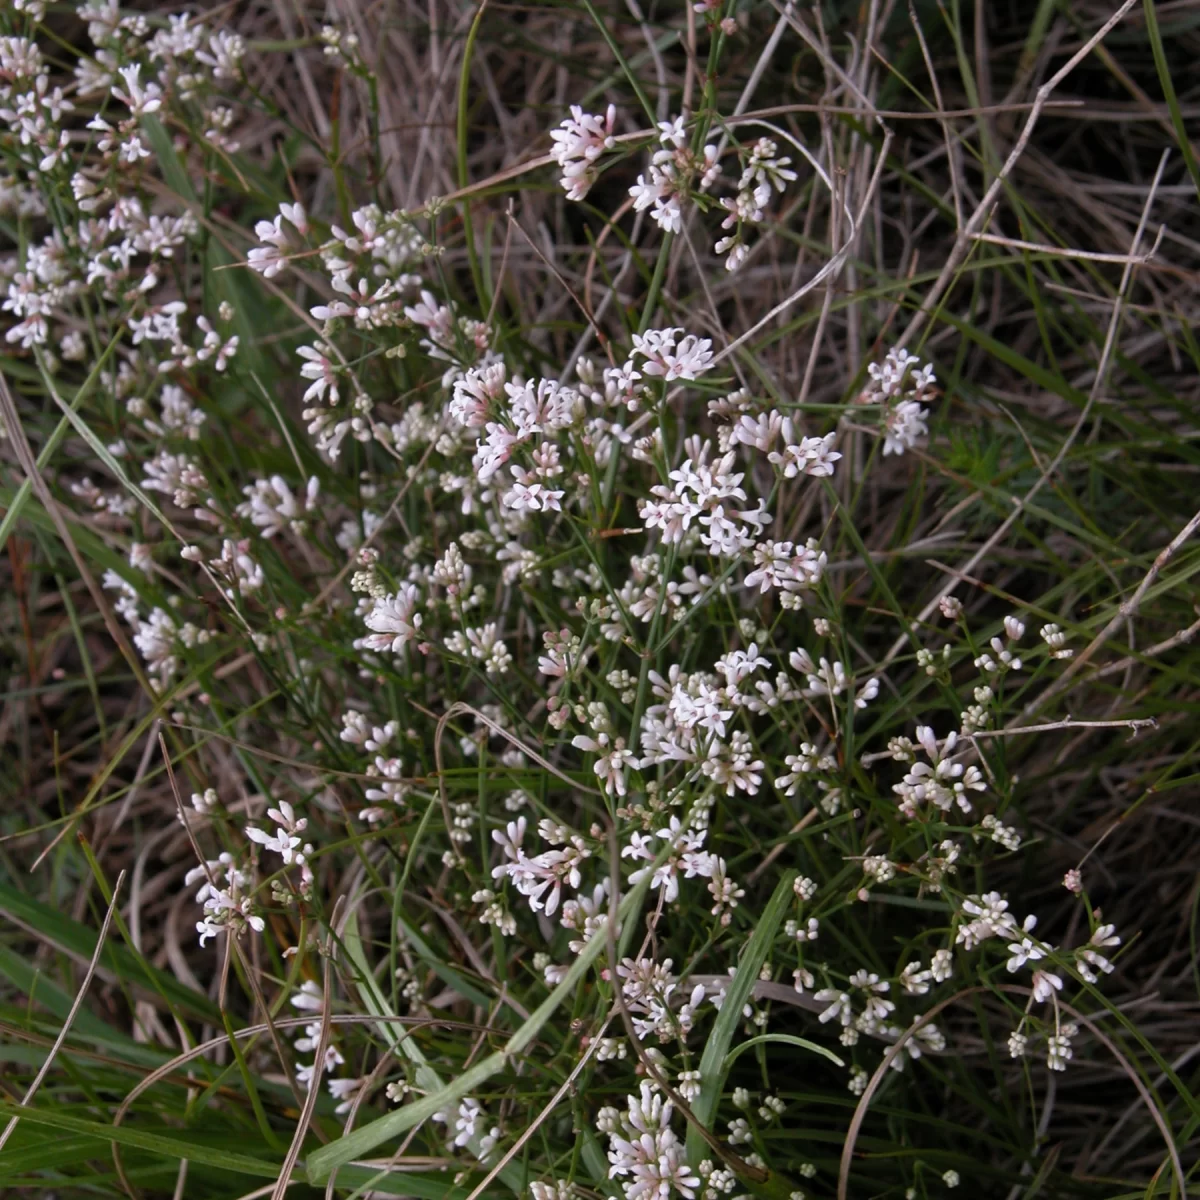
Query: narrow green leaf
630, 75
376, 1004
61, 931
45, 993
394, 1033
712, 1062
105, 455
1168, 87
87, 540
48, 1153
354, 1145
787, 1039
156, 1143
389, 1181
597, 1163
448, 975
221, 284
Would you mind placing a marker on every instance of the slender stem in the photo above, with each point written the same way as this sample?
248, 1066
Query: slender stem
464, 82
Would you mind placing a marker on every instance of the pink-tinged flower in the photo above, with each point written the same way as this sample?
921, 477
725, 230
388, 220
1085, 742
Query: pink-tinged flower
578, 142
394, 621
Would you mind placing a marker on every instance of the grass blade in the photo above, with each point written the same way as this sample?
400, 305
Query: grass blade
716, 1049
324, 1161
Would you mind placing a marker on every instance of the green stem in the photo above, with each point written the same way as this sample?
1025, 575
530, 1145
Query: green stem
605, 33
464, 81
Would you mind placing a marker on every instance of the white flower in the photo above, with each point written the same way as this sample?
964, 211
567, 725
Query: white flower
688, 359
786, 567
1089, 960
838, 1006
761, 432
1058, 1050
943, 783
914, 980
269, 259
285, 839
766, 169
477, 394
900, 385
644, 1151
809, 456
578, 142
272, 506
345, 1091
1045, 985
318, 368
951, 607
1023, 951
394, 621
225, 52
611, 762
904, 426
140, 100
483, 644
466, 1120
559, 1189
673, 133
1056, 640
532, 497
657, 193
237, 568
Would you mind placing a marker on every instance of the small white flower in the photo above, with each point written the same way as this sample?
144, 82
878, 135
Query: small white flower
1045, 984
394, 621
578, 142
141, 100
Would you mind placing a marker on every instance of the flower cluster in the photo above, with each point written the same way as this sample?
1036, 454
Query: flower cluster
522, 633
901, 385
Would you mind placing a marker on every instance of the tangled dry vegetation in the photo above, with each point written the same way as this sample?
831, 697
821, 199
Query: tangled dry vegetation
635, 649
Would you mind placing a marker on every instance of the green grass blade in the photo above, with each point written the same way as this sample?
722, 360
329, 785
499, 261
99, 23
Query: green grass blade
60, 930
786, 1039
712, 1062
354, 1145
157, 1143
1168, 87
428, 1080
